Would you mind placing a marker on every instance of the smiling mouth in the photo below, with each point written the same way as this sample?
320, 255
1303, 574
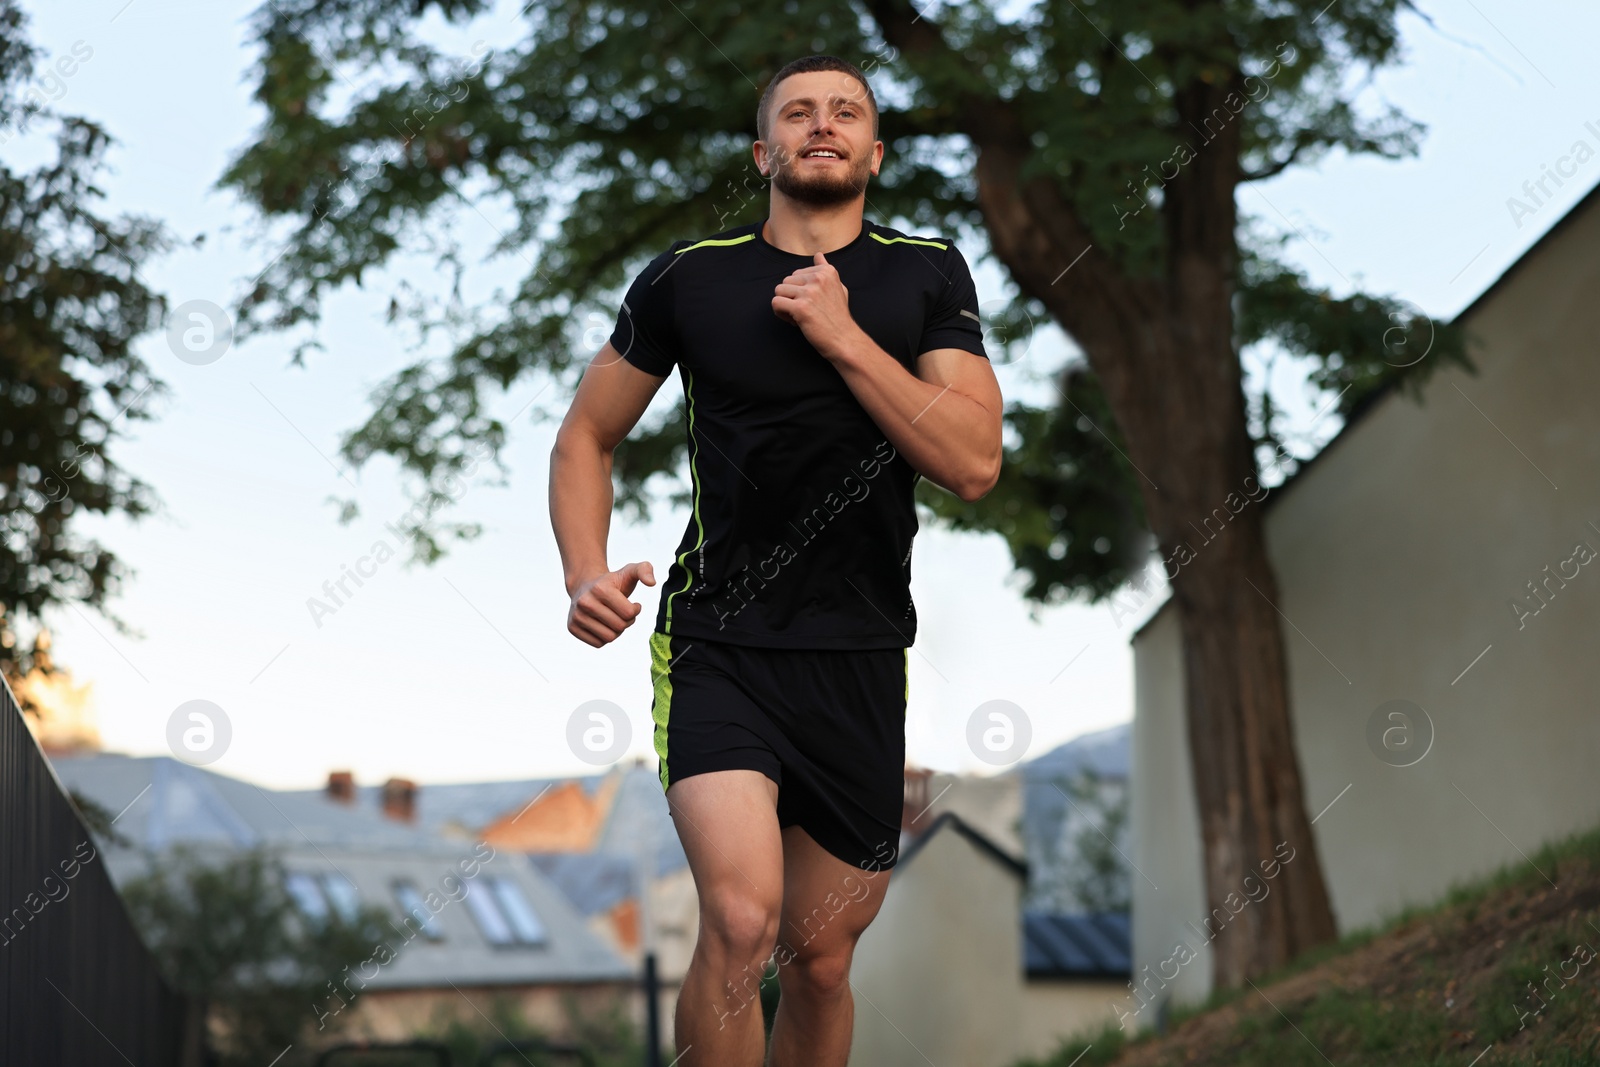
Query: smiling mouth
825, 154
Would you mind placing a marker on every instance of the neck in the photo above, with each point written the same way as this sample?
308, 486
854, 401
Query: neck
806, 229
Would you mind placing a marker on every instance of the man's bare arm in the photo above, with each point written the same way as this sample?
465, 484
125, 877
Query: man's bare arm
610, 400
945, 419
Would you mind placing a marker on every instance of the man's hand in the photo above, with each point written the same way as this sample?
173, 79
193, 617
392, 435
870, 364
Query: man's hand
814, 299
601, 609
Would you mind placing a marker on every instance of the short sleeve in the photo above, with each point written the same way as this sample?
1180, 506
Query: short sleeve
954, 322
646, 332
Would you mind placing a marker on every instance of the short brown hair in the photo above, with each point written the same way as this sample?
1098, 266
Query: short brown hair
807, 65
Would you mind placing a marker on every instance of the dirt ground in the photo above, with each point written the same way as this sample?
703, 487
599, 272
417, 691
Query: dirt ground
1451, 962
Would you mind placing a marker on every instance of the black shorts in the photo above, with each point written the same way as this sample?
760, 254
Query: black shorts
828, 726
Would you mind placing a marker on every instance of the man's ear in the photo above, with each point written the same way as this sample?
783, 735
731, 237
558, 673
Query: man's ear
758, 151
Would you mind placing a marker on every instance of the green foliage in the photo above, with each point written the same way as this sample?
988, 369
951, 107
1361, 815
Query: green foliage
771, 993
1101, 882
99, 820
1099, 1050
71, 305
1277, 305
1067, 502
606, 1033
1433, 984
1079, 868
225, 930
608, 129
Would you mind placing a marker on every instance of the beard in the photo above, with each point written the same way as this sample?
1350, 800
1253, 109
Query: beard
823, 190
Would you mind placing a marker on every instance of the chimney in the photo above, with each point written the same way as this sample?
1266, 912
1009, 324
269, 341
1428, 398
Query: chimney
400, 799
341, 787
914, 814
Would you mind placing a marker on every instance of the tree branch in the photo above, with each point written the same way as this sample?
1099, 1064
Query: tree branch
1304, 140
1031, 224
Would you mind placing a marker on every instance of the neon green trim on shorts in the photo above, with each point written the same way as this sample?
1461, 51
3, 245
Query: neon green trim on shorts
661, 705
907, 710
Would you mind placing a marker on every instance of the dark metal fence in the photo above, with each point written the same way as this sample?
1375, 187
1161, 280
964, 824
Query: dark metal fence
77, 986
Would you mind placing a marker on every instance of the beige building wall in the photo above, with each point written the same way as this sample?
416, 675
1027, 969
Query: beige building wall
674, 927
1059, 1010
1398, 553
937, 974
1163, 829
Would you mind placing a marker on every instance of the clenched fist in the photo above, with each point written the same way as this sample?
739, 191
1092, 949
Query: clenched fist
601, 609
814, 299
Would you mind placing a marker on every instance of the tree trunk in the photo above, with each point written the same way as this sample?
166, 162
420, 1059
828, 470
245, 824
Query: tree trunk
1163, 351
1246, 769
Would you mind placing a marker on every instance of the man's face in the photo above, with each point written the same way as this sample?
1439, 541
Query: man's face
819, 148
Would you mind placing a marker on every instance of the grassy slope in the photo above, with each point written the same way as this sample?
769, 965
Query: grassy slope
1434, 986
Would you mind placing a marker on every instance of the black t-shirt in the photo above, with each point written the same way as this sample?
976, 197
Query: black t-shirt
803, 517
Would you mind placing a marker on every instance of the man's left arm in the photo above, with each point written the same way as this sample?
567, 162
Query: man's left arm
945, 419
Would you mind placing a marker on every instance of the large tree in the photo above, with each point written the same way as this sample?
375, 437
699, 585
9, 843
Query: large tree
72, 304
1097, 147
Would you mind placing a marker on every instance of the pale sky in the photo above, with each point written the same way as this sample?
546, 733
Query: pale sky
465, 671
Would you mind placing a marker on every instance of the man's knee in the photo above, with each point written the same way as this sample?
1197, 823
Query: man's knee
821, 975
740, 926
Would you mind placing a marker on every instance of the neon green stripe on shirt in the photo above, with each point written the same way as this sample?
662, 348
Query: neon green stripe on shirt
713, 243
909, 241
694, 476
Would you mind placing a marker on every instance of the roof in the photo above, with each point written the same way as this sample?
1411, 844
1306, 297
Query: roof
1054, 945
639, 818
638, 811
163, 803
593, 882
1077, 946
1105, 752
1370, 402
959, 825
468, 806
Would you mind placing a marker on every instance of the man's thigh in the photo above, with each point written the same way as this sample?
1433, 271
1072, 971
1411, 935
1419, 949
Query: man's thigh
728, 823
827, 903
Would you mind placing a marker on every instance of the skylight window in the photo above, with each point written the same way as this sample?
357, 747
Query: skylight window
414, 909
524, 920
307, 897
503, 913
342, 895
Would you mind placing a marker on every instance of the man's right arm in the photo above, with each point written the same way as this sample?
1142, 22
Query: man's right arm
611, 398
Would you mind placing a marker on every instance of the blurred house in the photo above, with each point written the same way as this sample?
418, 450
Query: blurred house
953, 970
1426, 555
984, 952
588, 837
502, 930
1046, 810
563, 911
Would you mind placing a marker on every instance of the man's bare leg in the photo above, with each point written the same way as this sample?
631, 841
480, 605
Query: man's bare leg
728, 823
827, 904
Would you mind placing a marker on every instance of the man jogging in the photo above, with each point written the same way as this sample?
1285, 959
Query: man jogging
827, 363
